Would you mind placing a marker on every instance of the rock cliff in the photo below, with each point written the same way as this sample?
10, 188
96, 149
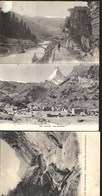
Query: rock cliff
94, 14
78, 24
82, 31
49, 162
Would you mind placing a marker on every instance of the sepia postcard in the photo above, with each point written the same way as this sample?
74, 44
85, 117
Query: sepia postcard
50, 163
49, 32
49, 97
49, 65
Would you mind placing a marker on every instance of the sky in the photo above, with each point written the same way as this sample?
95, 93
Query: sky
9, 164
42, 8
30, 72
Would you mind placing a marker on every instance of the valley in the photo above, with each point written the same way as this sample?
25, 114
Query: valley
60, 100
28, 55
73, 38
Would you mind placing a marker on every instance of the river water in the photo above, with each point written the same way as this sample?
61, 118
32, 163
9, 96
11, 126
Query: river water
25, 57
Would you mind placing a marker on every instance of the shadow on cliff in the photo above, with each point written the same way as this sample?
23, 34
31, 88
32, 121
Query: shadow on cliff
42, 184
49, 163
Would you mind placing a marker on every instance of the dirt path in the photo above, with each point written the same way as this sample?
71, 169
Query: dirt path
62, 56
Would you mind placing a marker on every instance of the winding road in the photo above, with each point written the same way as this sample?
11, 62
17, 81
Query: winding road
58, 56
62, 56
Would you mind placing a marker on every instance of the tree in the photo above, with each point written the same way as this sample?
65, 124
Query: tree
13, 27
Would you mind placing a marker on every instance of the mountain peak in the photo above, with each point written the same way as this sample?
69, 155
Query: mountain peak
56, 77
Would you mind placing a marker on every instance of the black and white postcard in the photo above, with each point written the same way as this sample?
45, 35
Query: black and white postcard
50, 163
43, 96
49, 32
49, 65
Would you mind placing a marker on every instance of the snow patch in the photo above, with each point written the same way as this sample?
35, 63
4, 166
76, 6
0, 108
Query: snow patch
57, 77
7, 6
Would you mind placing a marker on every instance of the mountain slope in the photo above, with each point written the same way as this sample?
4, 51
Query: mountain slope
80, 89
14, 92
57, 77
52, 25
43, 26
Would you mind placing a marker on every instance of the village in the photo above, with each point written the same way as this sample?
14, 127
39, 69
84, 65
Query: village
31, 112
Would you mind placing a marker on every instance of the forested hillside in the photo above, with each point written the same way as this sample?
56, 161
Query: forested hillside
12, 27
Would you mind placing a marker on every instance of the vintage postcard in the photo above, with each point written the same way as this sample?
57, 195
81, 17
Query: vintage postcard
50, 163
49, 65
45, 96
49, 32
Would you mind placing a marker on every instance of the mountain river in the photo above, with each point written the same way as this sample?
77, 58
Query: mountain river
27, 56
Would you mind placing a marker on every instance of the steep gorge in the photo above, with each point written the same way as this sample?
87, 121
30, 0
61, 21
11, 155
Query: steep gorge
48, 162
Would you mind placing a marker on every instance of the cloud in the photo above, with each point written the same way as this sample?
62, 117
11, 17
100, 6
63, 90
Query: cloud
7, 6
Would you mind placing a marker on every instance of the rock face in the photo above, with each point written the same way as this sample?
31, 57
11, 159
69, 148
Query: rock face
57, 77
78, 24
49, 162
82, 31
94, 14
